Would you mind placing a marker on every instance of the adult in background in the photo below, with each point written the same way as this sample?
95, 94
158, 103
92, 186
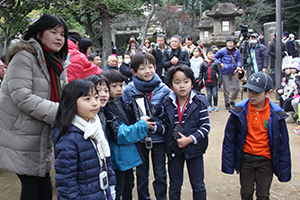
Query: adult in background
29, 101
272, 54
290, 45
111, 63
133, 47
3, 58
230, 61
125, 68
258, 57
175, 55
262, 38
157, 52
85, 46
80, 67
95, 59
147, 46
2, 72
189, 46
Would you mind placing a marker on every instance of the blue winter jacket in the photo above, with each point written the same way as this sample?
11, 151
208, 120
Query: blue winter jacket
159, 94
123, 136
235, 137
223, 56
196, 123
77, 167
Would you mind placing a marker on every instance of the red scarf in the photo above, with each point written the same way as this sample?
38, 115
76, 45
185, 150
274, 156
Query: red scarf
55, 68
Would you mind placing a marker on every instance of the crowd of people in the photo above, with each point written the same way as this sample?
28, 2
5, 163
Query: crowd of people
104, 122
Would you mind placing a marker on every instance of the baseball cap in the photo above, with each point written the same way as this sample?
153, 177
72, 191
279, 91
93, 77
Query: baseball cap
285, 33
259, 82
255, 35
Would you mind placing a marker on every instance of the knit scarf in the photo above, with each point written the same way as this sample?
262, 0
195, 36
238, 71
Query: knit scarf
93, 129
55, 68
146, 86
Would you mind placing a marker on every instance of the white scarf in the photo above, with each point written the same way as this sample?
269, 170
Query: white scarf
93, 129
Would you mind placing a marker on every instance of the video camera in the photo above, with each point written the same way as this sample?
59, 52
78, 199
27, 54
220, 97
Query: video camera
244, 31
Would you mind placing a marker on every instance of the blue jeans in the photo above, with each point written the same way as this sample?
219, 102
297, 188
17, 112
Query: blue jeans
158, 157
196, 175
36, 188
212, 91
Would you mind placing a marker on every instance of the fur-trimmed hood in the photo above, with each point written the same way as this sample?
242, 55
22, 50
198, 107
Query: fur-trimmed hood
27, 45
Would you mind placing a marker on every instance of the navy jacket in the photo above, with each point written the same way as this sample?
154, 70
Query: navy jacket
235, 137
196, 123
126, 72
223, 56
158, 54
261, 56
77, 167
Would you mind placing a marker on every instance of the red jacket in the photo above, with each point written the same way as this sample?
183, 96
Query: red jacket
80, 67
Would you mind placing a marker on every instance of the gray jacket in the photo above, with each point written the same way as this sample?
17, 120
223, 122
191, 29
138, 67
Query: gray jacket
26, 112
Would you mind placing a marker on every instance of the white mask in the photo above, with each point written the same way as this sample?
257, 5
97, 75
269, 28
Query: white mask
253, 41
127, 61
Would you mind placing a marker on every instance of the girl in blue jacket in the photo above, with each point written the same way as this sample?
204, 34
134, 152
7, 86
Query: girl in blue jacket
187, 127
83, 166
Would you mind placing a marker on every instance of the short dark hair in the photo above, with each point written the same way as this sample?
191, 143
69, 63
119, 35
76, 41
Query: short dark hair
189, 37
85, 43
68, 103
180, 67
113, 76
3, 58
48, 22
177, 36
140, 58
92, 56
123, 56
98, 79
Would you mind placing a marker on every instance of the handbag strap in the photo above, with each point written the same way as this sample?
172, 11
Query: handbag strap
233, 59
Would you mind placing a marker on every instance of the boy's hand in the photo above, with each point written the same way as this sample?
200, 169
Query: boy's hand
151, 125
184, 141
280, 91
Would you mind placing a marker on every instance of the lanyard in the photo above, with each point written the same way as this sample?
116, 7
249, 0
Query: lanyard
180, 114
98, 155
150, 96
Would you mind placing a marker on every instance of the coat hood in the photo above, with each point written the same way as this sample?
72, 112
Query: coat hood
27, 45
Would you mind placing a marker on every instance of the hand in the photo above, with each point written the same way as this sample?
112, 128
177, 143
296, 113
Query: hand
184, 141
264, 70
238, 68
222, 65
151, 125
174, 60
280, 91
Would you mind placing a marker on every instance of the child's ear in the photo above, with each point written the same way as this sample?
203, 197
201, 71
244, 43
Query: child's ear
269, 93
155, 67
132, 71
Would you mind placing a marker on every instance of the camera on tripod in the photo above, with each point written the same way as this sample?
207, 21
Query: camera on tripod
244, 31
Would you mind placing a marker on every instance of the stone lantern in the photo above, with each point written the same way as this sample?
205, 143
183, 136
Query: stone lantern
206, 29
223, 15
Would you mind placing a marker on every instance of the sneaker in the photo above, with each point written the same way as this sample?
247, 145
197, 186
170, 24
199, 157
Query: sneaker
232, 104
297, 130
228, 106
209, 109
290, 119
216, 109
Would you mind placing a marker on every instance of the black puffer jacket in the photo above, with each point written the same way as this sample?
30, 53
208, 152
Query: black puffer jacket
272, 52
261, 56
181, 54
211, 73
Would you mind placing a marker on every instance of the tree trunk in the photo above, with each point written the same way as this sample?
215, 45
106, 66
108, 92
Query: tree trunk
106, 36
148, 22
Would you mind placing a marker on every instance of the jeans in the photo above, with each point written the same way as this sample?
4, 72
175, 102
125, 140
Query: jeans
158, 157
125, 184
226, 78
196, 175
258, 170
36, 188
212, 91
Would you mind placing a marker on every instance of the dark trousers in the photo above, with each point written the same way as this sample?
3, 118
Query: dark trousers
196, 175
158, 157
125, 184
212, 91
36, 188
255, 170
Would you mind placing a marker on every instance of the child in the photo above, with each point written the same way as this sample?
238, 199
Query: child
210, 71
187, 109
196, 61
83, 165
146, 81
256, 142
123, 136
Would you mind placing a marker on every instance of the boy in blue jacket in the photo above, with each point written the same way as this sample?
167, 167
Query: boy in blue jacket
256, 142
123, 135
146, 81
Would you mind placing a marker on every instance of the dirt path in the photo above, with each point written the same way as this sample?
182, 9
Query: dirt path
218, 185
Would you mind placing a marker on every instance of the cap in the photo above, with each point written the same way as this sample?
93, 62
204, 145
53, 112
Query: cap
255, 35
285, 33
259, 82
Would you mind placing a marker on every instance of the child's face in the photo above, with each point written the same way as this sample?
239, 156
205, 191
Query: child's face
210, 55
287, 71
88, 106
116, 89
196, 53
145, 72
294, 71
103, 92
258, 99
181, 85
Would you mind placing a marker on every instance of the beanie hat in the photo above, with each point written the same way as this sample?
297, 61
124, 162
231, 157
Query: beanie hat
285, 33
230, 39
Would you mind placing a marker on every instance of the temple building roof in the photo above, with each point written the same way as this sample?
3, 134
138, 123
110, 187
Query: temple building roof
224, 9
